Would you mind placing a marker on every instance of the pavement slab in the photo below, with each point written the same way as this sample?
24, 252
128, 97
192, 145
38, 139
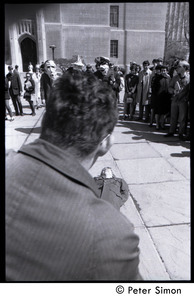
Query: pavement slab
151, 267
163, 203
181, 163
173, 244
148, 170
133, 151
172, 149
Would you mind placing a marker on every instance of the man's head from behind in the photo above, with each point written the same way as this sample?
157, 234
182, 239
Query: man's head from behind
81, 113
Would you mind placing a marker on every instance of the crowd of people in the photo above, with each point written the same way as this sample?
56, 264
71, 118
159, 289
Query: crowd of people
157, 92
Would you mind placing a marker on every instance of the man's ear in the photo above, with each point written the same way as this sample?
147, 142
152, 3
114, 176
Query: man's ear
105, 145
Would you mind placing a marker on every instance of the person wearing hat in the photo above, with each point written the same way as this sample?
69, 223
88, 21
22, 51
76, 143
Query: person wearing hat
15, 90
179, 87
102, 73
78, 65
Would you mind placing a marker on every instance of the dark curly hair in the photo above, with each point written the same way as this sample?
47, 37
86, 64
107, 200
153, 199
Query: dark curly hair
81, 111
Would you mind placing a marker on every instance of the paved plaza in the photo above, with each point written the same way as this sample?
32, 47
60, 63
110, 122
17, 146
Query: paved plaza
157, 170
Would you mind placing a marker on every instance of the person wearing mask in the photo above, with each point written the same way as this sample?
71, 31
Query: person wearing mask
102, 73
47, 78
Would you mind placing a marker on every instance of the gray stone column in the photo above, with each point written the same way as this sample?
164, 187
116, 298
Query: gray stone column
41, 37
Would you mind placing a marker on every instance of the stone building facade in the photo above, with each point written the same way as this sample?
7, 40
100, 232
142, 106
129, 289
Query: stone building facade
177, 41
124, 32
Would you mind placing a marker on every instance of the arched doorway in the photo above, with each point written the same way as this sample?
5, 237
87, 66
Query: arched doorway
28, 52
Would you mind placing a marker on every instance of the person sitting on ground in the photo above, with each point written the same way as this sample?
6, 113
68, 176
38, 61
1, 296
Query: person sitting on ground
66, 231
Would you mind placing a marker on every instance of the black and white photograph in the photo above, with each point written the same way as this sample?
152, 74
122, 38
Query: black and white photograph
97, 143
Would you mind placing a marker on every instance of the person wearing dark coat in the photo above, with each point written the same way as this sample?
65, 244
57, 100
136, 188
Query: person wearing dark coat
47, 78
15, 90
162, 107
154, 87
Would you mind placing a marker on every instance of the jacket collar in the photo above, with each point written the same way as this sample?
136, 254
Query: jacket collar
60, 160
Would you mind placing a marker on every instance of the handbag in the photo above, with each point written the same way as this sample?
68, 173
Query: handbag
27, 95
129, 98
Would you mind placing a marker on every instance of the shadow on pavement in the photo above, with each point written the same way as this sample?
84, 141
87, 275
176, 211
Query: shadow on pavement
183, 154
142, 131
29, 130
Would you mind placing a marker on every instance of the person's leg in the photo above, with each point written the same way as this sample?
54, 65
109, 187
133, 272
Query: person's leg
147, 112
140, 110
131, 110
182, 117
162, 121
128, 109
7, 106
13, 98
174, 116
32, 107
157, 121
18, 100
125, 106
151, 117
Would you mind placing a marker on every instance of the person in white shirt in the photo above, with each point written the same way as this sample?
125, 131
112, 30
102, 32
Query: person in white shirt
37, 97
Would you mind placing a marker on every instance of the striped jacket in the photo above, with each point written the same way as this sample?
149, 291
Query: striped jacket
57, 227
